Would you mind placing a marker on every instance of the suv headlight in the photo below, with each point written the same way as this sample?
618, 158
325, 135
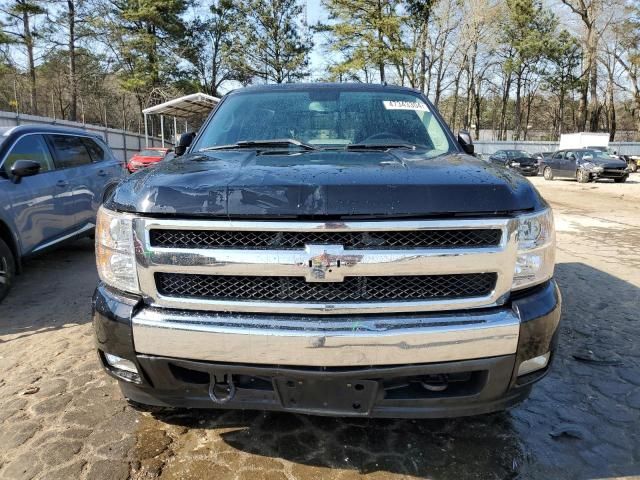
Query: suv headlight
115, 254
536, 249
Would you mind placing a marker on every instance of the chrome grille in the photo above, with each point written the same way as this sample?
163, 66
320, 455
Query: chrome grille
356, 289
325, 268
285, 240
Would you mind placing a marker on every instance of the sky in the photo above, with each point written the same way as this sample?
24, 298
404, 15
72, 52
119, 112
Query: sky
317, 13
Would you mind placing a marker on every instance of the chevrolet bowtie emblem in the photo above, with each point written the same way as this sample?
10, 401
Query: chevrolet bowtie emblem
327, 262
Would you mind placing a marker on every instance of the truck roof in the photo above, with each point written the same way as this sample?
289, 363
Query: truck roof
324, 85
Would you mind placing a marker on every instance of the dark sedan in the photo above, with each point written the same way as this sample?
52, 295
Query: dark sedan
518, 160
585, 165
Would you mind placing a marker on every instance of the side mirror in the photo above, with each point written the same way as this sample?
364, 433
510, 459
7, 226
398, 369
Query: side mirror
185, 140
24, 168
464, 139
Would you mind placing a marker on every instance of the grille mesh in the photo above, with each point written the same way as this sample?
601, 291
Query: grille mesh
349, 240
296, 289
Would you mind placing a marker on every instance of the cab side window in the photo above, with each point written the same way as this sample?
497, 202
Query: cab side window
70, 151
95, 150
29, 147
558, 155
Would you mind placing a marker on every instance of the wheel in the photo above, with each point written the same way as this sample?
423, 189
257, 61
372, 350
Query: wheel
621, 179
582, 176
7, 269
633, 166
548, 173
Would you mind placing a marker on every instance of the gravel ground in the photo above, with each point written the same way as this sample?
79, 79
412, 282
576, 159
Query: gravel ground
61, 417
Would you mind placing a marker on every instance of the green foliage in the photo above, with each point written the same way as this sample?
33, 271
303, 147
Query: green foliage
564, 56
145, 33
529, 30
208, 48
274, 45
365, 33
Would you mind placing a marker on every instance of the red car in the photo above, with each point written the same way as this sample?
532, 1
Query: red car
146, 157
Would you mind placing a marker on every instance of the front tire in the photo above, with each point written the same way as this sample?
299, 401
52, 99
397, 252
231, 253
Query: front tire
582, 176
7, 269
547, 173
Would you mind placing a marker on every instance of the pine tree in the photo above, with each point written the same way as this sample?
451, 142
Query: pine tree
275, 45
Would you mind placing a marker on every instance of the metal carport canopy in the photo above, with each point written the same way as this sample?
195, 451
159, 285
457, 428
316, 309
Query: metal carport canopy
182, 107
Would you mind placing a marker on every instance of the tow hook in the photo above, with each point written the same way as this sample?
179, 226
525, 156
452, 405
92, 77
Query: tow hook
435, 383
221, 388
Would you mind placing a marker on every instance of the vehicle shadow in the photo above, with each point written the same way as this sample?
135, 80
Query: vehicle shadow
580, 421
53, 290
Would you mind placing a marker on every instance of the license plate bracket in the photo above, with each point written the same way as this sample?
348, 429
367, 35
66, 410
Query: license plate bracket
337, 396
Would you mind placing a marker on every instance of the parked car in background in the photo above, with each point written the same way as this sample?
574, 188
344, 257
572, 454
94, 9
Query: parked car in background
146, 157
585, 165
518, 160
52, 181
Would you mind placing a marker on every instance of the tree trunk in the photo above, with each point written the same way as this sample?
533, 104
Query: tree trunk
423, 58
561, 111
517, 129
502, 127
454, 113
73, 84
612, 109
28, 41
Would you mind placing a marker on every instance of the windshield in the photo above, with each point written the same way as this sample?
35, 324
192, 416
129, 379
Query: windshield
517, 154
597, 154
326, 118
152, 153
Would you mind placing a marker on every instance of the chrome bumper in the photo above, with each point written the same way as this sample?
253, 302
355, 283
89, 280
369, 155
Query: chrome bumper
325, 342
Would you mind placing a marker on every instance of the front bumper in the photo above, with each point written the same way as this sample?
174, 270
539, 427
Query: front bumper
180, 354
531, 170
612, 173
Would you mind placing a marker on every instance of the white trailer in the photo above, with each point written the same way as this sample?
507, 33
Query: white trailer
584, 140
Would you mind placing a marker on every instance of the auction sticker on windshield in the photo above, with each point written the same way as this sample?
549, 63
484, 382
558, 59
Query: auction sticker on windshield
404, 105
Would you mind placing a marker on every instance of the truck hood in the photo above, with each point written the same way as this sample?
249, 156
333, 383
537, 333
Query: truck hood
245, 183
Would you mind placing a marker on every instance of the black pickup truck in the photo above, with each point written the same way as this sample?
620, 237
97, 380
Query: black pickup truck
329, 249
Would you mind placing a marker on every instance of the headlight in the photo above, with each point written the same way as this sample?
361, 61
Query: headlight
515, 164
536, 249
592, 167
115, 255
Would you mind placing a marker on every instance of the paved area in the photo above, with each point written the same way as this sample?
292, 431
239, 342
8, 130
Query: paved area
62, 418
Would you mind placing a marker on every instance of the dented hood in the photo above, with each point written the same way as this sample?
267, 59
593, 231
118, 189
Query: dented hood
324, 183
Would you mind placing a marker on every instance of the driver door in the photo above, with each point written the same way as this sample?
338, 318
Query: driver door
570, 164
37, 202
555, 162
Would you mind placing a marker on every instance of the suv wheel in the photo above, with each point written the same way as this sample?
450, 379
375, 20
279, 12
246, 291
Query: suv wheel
7, 269
582, 176
548, 173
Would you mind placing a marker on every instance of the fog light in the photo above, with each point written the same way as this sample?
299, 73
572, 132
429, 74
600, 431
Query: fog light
122, 368
533, 364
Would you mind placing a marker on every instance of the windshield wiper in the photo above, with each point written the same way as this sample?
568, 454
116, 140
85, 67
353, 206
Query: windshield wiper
380, 146
277, 142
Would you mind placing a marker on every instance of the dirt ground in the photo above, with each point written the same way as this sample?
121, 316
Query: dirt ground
61, 417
